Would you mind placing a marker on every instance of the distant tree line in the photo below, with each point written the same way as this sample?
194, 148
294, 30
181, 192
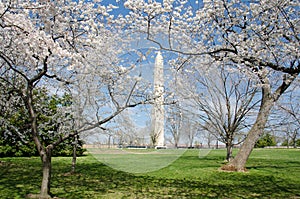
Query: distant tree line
270, 140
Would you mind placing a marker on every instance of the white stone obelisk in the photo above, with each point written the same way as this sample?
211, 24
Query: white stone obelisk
158, 116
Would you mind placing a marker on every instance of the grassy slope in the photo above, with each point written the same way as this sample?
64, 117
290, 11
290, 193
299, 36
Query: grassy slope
273, 173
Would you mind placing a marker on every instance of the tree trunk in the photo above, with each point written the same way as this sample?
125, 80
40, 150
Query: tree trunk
46, 161
294, 138
74, 154
176, 138
295, 145
208, 143
176, 145
239, 162
45, 153
228, 152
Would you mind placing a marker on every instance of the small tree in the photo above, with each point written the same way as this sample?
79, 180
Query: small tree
288, 108
174, 123
69, 49
223, 102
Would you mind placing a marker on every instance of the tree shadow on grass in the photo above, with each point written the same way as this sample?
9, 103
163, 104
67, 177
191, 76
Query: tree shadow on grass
96, 180
18, 177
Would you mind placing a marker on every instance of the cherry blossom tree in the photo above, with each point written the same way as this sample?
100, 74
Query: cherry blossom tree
66, 46
27, 53
259, 38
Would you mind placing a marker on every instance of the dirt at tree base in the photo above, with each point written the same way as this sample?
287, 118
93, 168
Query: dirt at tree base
232, 168
38, 196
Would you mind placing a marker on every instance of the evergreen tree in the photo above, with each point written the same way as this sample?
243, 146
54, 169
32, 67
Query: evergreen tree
266, 140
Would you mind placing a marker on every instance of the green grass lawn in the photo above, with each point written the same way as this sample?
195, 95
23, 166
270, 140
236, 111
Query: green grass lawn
272, 173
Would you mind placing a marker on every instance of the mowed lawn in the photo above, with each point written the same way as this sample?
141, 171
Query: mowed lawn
272, 173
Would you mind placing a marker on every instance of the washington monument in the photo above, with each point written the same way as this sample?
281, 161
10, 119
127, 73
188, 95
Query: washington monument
157, 118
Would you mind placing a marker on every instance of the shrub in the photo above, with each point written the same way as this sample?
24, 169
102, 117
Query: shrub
266, 140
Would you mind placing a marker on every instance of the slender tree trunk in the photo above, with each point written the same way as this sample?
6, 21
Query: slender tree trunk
74, 154
108, 141
46, 161
294, 138
45, 153
228, 152
176, 138
153, 139
295, 144
191, 140
176, 144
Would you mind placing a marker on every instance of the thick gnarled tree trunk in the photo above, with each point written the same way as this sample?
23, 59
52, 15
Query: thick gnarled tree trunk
267, 103
239, 162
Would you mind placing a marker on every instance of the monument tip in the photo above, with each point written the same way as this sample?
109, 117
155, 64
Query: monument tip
159, 57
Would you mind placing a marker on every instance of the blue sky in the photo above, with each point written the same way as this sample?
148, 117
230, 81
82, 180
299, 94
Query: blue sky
197, 4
